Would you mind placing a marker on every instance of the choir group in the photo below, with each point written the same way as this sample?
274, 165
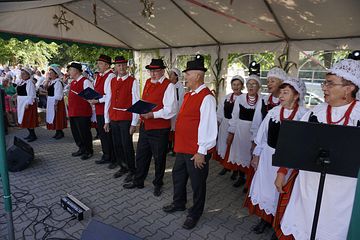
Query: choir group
241, 133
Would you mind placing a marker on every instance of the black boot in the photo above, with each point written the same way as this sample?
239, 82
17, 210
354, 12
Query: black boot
28, 136
56, 134
223, 171
274, 237
234, 175
261, 226
241, 181
59, 134
32, 135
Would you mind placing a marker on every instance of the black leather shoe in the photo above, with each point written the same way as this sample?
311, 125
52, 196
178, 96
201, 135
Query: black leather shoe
133, 185
129, 178
55, 136
223, 171
172, 208
76, 154
112, 165
120, 173
157, 191
274, 237
261, 226
32, 138
59, 136
190, 223
86, 156
234, 175
102, 161
241, 181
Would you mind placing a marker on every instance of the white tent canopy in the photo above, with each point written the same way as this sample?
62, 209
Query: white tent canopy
184, 23
182, 27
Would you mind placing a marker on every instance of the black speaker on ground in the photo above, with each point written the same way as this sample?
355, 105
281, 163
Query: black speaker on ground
19, 155
97, 230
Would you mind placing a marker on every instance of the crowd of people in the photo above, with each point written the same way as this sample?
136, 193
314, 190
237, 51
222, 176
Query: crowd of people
241, 133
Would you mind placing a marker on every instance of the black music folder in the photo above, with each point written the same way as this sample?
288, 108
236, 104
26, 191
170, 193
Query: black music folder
141, 107
89, 94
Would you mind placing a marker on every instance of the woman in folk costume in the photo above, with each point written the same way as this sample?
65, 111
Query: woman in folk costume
239, 136
55, 106
340, 108
275, 77
262, 198
26, 103
224, 111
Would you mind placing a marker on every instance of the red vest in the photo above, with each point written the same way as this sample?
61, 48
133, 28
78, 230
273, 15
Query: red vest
154, 93
99, 87
121, 97
187, 123
78, 107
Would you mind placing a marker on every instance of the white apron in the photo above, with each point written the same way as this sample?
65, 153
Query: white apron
50, 109
241, 145
21, 103
221, 145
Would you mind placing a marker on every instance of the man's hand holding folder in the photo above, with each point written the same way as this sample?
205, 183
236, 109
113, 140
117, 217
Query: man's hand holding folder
90, 94
143, 108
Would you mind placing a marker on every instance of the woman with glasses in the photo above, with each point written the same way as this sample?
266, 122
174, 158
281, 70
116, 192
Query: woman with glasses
223, 113
263, 197
340, 108
239, 136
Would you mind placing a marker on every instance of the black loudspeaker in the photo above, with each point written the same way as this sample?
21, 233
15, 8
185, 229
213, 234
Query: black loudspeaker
97, 230
19, 155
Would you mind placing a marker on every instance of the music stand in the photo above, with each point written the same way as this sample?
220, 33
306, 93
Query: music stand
322, 148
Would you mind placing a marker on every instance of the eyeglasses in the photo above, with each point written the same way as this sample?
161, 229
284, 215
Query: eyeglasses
251, 85
331, 84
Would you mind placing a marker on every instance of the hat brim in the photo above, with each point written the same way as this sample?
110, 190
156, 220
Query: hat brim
199, 69
151, 67
105, 61
118, 62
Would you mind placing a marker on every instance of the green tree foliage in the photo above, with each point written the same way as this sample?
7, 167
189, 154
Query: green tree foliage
85, 54
14, 52
42, 54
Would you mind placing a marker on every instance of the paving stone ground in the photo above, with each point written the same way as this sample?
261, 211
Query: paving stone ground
54, 173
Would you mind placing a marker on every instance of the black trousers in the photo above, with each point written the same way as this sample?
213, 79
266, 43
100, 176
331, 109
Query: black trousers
182, 170
105, 139
152, 143
123, 144
80, 129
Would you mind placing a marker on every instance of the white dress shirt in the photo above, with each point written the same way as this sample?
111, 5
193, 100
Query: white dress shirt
169, 102
135, 93
106, 84
207, 131
58, 90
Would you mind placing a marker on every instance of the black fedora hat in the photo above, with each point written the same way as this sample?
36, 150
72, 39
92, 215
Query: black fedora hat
104, 58
196, 64
156, 64
75, 65
120, 59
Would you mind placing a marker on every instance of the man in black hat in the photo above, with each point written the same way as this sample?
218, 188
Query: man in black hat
102, 86
155, 127
195, 136
80, 111
123, 93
